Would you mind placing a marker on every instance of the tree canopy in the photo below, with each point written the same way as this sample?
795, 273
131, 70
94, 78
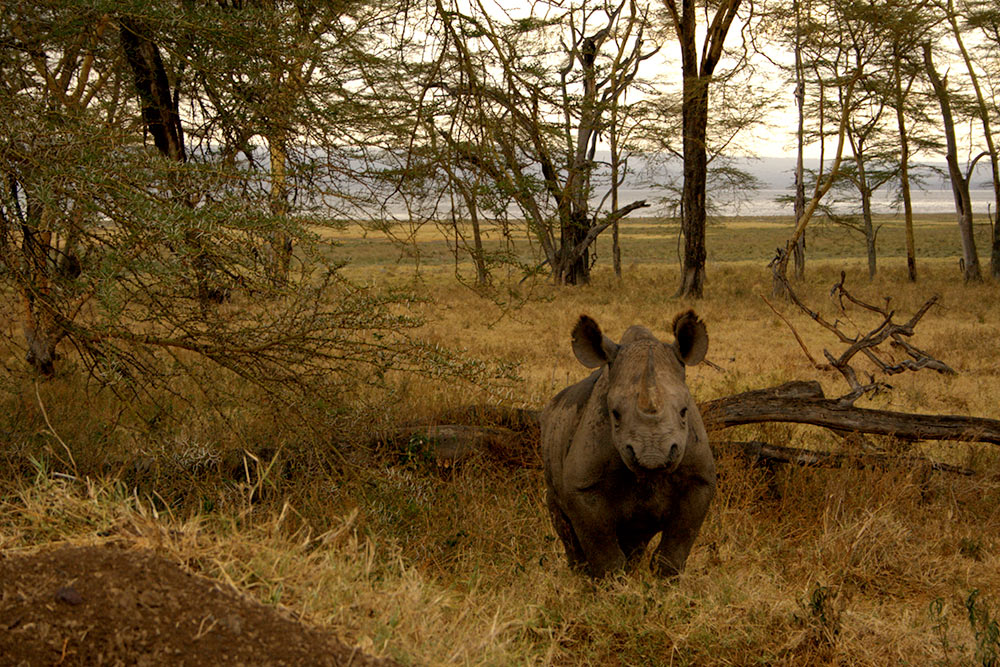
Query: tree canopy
161, 160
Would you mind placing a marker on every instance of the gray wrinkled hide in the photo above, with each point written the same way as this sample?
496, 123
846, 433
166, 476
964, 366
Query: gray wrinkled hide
625, 451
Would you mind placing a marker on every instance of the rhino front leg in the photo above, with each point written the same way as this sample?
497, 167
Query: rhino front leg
574, 553
593, 524
681, 527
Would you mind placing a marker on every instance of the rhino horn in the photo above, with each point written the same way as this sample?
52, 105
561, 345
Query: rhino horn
649, 393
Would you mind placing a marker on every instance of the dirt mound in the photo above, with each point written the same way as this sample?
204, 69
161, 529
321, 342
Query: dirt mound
94, 605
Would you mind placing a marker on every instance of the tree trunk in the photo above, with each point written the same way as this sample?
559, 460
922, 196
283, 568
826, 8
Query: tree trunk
984, 116
574, 209
281, 244
574, 267
904, 172
38, 324
799, 249
616, 250
995, 222
159, 109
695, 121
866, 205
904, 179
511, 434
763, 453
478, 256
780, 264
162, 120
697, 74
804, 403
959, 183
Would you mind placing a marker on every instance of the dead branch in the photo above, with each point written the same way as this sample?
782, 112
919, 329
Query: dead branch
762, 453
867, 344
803, 403
512, 433
798, 338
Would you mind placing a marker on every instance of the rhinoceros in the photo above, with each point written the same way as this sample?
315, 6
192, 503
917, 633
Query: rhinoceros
625, 451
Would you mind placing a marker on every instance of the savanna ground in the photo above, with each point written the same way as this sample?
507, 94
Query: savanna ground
402, 558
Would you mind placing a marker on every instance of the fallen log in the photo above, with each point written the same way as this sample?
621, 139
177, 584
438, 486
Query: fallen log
804, 403
801, 402
758, 453
449, 444
511, 435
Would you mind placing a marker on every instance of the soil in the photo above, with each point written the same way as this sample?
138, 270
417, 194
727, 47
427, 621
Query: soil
114, 605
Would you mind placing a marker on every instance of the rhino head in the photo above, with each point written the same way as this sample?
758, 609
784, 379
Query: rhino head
647, 401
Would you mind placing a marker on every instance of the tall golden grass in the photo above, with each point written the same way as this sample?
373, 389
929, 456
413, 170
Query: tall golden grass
460, 565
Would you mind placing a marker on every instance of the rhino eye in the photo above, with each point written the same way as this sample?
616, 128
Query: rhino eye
684, 413
616, 417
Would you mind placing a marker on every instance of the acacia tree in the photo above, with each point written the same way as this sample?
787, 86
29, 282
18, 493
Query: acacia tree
886, 38
882, 41
872, 165
906, 26
519, 106
959, 180
985, 18
278, 73
101, 234
864, 40
799, 249
880, 155
158, 98
698, 70
65, 70
787, 24
832, 75
901, 84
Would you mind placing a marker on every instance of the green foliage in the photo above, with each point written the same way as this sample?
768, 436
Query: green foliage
939, 620
147, 268
985, 628
822, 617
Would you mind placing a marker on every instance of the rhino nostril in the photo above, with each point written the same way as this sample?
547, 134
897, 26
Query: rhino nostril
675, 451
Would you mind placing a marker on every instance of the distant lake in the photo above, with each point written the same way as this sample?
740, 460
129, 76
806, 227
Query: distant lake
930, 192
764, 202
648, 178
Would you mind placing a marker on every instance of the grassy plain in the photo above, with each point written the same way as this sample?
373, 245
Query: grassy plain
459, 565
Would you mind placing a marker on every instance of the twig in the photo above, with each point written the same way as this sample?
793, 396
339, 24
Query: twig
812, 360
867, 344
202, 630
62, 658
45, 416
713, 365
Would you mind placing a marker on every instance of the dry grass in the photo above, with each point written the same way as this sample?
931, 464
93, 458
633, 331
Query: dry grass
794, 566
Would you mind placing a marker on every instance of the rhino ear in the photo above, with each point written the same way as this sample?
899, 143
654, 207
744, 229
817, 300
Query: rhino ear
590, 346
691, 338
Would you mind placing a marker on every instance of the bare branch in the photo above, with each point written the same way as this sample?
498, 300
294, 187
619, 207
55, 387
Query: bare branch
866, 344
812, 360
